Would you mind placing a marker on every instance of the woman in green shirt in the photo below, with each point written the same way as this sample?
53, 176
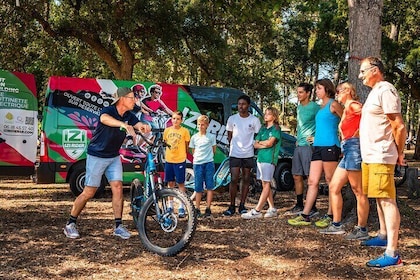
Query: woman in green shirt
268, 143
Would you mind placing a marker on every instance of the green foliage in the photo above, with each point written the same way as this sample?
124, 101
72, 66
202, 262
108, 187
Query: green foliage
262, 47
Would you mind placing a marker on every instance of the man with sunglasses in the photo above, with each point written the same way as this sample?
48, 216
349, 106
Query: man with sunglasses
103, 157
153, 104
382, 139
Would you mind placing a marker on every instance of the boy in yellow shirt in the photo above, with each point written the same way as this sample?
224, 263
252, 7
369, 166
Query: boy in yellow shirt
177, 137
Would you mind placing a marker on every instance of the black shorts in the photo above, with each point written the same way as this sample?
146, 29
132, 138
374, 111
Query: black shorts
241, 162
330, 153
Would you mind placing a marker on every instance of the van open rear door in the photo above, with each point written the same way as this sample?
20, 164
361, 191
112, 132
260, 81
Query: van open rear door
18, 123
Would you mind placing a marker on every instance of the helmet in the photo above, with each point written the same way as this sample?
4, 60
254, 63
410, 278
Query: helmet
139, 91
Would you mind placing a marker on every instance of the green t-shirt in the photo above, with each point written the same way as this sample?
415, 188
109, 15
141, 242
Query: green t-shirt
269, 155
306, 122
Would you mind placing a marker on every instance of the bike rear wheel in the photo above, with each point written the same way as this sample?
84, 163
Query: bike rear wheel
166, 234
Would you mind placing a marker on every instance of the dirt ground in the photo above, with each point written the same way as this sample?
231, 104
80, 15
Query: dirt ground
33, 246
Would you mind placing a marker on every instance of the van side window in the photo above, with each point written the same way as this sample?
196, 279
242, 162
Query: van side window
212, 110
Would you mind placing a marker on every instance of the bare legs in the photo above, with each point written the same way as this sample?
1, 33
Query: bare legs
336, 200
314, 176
389, 219
89, 192
266, 196
233, 188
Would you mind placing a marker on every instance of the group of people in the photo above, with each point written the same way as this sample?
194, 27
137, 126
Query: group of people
372, 142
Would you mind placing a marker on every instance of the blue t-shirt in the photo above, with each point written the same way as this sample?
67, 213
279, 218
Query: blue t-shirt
326, 131
203, 147
106, 141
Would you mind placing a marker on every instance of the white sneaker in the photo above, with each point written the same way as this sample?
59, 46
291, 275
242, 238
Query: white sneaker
253, 214
271, 213
70, 231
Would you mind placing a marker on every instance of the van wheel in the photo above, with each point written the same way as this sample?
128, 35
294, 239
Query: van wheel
77, 181
284, 177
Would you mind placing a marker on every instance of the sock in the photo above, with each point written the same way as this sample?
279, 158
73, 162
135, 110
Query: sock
305, 216
72, 219
331, 216
299, 198
241, 205
336, 224
382, 236
118, 222
391, 253
363, 229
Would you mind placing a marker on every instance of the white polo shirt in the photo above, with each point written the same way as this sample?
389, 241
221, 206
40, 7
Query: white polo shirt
376, 139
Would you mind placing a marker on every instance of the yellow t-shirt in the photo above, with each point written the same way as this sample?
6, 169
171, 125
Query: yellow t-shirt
178, 140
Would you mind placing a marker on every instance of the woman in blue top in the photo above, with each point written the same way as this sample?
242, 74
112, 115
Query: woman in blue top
326, 151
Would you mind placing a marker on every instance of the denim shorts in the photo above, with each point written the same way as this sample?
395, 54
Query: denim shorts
203, 174
175, 172
352, 158
97, 166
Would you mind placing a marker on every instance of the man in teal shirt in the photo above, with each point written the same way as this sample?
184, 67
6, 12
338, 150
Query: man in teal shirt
306, 111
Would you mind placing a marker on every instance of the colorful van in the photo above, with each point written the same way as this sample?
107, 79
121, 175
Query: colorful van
71, 112
18, 123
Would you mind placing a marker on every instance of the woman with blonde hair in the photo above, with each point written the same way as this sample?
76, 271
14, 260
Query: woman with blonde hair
268, 143
349, 168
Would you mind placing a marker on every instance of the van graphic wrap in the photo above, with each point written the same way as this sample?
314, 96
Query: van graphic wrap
18, 123
74, 142
71, 113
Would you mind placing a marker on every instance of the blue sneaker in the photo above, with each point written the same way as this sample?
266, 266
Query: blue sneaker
385, 261
181, 213
375, 242
122, 232
229, 212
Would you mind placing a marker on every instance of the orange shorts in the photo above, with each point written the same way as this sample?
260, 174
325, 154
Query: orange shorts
378, 180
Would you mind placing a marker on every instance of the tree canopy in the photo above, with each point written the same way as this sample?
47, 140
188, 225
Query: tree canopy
262, 47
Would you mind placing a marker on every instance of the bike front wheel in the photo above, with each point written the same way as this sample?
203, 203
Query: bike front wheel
162, 227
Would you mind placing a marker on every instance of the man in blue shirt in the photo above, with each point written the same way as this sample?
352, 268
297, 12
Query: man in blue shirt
103, 157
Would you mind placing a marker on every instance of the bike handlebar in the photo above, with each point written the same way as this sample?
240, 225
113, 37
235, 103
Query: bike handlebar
157, 143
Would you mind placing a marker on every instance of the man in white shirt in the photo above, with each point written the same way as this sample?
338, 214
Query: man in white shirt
382, 139
241, 128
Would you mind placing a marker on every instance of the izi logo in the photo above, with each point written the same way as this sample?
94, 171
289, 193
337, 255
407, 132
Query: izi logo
216, 128
74, 142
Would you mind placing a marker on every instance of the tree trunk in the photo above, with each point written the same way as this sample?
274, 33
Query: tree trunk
364, 37
364, 40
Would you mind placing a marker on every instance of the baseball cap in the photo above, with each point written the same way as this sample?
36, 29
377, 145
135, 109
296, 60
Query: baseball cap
122, 91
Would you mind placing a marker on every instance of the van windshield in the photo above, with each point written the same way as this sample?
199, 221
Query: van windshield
213, 110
